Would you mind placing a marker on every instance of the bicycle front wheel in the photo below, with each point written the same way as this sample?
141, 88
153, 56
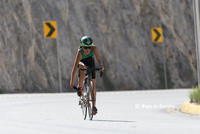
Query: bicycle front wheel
91, 101
84, 101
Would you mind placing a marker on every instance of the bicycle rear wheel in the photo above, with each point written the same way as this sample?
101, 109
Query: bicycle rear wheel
84, 101
91, 101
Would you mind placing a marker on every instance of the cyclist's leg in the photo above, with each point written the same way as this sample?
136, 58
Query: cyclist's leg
94, 88
82, 74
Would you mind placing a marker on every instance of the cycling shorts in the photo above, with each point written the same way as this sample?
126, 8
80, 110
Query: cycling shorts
89, 62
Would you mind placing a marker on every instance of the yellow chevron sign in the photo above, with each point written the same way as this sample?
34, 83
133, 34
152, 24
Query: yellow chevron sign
50, 29
157, 36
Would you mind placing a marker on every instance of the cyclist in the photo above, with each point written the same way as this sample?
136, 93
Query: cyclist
84, 58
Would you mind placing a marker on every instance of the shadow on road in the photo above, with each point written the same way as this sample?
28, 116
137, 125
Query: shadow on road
114, 121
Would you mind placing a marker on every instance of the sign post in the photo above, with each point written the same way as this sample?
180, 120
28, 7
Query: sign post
157, 37
197, 33
50, 31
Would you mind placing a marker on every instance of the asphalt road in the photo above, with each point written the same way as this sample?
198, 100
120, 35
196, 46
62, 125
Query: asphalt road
128, 112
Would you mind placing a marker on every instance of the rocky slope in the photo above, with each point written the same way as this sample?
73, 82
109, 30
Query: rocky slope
121, 29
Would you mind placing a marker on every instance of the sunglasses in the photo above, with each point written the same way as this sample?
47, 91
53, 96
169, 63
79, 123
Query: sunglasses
87, 48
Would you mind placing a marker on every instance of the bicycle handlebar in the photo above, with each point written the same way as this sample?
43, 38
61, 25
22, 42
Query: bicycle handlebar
101, 74
75, 87
90, 69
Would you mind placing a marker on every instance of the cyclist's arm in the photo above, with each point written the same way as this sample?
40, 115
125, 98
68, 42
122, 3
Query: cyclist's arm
96, 53
75, 67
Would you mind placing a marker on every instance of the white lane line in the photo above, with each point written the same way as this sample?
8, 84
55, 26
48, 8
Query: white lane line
36, 95
100, 93
148, 91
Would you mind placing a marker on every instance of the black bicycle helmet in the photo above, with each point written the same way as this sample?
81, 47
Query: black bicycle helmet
86, 41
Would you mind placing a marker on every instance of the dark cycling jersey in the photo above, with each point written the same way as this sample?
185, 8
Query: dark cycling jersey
83, 56
89, 61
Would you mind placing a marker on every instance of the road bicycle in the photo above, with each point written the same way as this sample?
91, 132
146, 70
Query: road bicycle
87, 99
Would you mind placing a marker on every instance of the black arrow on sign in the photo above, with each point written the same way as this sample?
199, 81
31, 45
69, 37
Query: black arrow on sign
52, 29
158, 35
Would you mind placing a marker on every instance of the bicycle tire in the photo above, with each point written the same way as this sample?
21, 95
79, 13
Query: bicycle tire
84, 97
91, 102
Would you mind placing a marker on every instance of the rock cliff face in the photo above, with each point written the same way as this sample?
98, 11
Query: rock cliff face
121, 30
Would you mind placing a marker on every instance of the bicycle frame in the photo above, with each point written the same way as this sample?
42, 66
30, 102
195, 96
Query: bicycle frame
87, 99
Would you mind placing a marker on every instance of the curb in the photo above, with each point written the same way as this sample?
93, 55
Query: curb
190, 108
